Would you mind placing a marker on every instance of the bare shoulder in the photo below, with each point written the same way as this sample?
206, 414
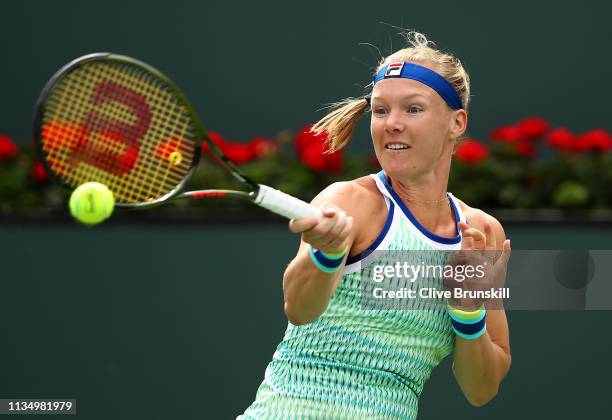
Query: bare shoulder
477, 218
360, 199
354, 197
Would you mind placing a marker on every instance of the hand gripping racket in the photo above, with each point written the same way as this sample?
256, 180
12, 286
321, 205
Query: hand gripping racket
115, 120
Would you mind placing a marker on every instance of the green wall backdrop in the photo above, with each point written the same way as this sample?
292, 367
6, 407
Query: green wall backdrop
255, 68
159, 322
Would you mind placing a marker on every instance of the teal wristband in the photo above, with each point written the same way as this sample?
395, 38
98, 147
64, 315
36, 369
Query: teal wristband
471, 336
468, 325
328, 263
467, 317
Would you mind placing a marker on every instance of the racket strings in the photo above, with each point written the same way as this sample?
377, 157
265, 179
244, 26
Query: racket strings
117, 124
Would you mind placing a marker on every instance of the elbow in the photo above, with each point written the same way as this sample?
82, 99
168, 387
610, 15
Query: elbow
293, 317
302, 304
294, 311
487, 394
289, 307
480, 399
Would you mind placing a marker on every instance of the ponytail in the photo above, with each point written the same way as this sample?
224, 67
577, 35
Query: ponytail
340, 122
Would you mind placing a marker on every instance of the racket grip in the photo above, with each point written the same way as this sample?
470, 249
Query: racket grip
280, 203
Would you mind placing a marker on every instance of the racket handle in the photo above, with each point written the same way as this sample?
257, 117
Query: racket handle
280, 203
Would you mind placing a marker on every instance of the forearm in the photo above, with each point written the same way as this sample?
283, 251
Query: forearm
479, 366
307, 289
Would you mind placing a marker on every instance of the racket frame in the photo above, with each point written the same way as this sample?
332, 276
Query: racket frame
200, 133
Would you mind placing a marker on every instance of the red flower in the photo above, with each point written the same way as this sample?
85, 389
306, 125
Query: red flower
563, 139
521, 135
508, 134
306, 138
471, 151
238, 153
560, 138
598, 140
313, 158
263, 147
215, 138
533, 127
39, 172
8, 148
312, 151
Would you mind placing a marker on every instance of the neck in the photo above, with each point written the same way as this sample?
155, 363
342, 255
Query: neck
426, 198
427, 195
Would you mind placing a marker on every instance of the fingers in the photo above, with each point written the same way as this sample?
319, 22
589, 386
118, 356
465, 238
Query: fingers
339, 242
506, 251
336, 226
501, 265
305, 224
302, 225
328, 234
474, 238
480, 240
490, 238
466, 241
332, 223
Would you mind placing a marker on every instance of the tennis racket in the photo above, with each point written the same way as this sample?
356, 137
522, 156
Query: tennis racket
118, 121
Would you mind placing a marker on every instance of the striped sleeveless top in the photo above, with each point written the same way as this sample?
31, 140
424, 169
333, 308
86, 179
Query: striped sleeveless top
353, 363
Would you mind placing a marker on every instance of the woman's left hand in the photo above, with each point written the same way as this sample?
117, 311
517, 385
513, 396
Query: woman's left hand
484, 266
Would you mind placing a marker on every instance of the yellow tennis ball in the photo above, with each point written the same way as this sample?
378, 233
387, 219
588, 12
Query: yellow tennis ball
91, 203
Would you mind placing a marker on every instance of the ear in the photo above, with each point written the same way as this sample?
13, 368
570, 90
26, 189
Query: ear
458, 123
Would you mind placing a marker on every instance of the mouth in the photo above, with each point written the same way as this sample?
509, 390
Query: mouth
397, 146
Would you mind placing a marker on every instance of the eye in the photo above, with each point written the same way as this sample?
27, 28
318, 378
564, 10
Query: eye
413, 109
378, 111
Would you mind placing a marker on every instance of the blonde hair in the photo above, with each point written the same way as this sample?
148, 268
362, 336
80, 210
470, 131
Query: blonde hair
340, 122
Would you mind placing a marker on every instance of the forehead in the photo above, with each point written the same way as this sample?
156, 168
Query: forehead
397, 88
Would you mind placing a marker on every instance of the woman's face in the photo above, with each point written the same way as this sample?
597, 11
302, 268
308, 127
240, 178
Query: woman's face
410, 115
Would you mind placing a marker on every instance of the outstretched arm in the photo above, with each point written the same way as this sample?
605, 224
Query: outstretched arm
308, 289
480, 364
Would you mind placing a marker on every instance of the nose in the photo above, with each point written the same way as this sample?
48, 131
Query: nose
394, 123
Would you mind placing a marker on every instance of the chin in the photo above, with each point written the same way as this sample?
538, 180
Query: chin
397, 169
395, 163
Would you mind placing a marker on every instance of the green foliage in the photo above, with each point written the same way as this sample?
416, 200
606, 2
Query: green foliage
504, 179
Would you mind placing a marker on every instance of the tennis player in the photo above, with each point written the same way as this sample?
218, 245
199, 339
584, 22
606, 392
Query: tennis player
338, 359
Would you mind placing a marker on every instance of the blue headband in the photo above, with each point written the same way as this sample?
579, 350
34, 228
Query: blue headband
424, 75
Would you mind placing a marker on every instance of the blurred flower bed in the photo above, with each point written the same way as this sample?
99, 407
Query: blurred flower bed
526, 165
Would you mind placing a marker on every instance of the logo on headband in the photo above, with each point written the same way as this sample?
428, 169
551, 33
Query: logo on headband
394, 70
